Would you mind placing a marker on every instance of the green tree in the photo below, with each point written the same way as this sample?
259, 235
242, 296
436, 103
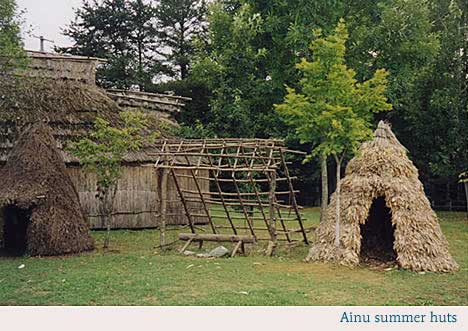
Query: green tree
12, 55
441, 118
103, 152
333, 110
122, 32
419, 42
180, 23
234, 70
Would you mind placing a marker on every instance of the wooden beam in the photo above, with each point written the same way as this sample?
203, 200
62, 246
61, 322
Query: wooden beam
217, 237
272, 217
293, 198
185, 246
163, 208
236, 248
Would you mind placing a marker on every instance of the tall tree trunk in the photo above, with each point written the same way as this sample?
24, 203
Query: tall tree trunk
103, 215
106, 219
182, 54
140, 66
183, 70
324, 175
108, 203
338, 202
466, 195
163, 209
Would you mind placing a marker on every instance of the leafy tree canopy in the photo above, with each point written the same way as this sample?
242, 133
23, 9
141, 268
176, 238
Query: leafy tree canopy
11, 46
233, 67
103, 151
333, 110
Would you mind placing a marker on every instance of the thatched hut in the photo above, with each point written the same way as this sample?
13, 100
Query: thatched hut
385, 213
40, 212
63, 95
59, 66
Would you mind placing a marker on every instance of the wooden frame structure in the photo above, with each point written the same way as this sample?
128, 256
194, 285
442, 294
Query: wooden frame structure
251, 195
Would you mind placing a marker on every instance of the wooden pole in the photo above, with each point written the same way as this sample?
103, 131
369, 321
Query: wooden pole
223, 202
278, 208
200, 193
179, 191
272, 220
244, 210
184, 202
216, 237
187, 244
293, 198
337, 209
163, 208
324, 178
254, 187
236, 248
466, 195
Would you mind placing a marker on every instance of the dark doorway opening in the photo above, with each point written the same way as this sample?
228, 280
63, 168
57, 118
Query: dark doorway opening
16, 221
378, 234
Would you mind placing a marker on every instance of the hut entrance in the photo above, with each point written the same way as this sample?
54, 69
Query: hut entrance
378, 234
16, 223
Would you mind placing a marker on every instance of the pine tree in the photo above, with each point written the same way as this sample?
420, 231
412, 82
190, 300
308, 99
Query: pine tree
122, 32
179, 23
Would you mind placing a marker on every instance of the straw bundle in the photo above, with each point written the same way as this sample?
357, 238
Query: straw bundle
383, 169
35, 180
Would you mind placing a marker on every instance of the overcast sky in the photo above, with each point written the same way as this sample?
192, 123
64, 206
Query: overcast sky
46, 18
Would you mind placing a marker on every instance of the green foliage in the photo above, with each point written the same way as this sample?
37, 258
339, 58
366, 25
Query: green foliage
194, 131
237, 71
142, 40
286, 34
420, 43
233, 67
180, 23
12, 55
194, 116
103, 151
333, 110
122, 32
439, 116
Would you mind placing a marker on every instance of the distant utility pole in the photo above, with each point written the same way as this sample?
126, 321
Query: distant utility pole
42, 40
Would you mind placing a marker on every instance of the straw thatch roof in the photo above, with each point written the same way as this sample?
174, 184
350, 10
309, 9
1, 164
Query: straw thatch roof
62, 66
35, 180
69, 107
382, 169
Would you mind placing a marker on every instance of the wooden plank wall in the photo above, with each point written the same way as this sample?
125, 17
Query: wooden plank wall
84, 70
137, 195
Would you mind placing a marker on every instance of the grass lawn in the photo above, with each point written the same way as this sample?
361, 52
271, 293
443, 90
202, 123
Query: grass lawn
134, 272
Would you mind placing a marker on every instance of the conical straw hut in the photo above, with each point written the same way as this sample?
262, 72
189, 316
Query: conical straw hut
386, 215
60, 91
40, 212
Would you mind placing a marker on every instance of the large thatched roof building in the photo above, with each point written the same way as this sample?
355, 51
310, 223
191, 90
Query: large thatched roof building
385, 213
40, 212
60, 90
